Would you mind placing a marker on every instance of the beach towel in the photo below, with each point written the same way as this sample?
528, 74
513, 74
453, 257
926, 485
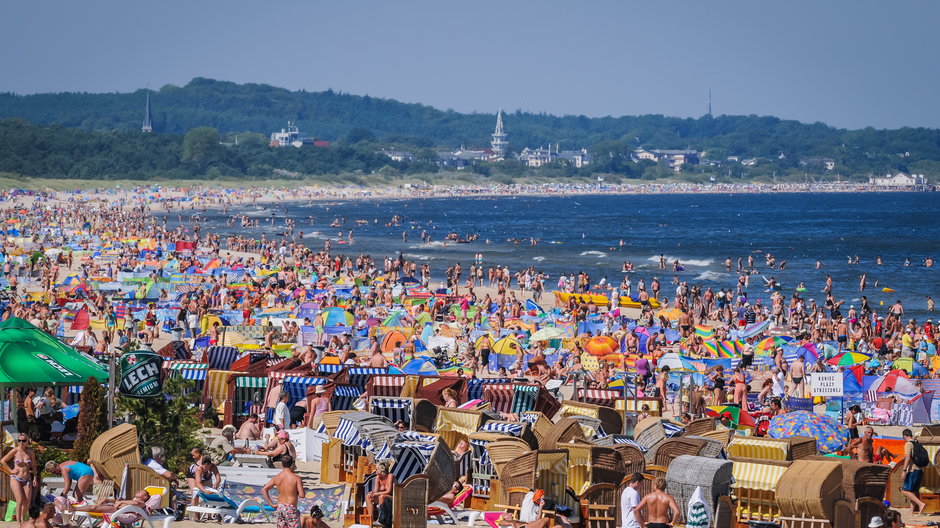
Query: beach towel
699, 513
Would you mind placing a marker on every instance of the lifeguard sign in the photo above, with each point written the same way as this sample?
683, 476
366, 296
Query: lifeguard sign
826, 384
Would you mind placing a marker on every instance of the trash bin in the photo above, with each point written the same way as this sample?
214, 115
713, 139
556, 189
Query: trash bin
177, 334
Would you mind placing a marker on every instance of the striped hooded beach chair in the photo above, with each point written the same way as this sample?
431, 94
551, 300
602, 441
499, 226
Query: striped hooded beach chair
386, 385
476, 386
343, 397
296, 387
395, 409
359, 376
500, 396
221, 357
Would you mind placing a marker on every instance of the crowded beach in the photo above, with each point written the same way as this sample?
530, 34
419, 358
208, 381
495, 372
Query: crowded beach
336, 388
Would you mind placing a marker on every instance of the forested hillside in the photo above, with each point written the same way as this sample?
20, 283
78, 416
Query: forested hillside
112, 122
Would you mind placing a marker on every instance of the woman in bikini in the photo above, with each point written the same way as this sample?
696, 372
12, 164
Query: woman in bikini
384, 482
24, 479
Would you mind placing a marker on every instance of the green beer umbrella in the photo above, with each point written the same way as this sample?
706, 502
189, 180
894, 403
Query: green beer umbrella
29, 356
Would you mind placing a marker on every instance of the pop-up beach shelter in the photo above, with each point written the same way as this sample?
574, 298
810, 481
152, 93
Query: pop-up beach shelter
31, 357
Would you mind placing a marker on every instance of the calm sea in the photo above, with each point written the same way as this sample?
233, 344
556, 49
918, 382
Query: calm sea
584, 233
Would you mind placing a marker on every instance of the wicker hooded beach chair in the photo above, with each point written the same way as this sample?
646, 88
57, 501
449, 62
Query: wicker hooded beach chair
809, 489
700, 426
649, 431
113, 450
503, 450
633, 459
611, 420
539, 424
671, 448
711, 448
563, 432
599, 505
688, 472
410, 503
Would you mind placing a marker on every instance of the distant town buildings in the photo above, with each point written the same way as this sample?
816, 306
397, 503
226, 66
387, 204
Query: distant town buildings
291, 137
818, 163
674, 159
899, 179
543, 156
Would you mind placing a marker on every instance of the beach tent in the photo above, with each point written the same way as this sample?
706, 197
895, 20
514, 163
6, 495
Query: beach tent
420, 366
31, 357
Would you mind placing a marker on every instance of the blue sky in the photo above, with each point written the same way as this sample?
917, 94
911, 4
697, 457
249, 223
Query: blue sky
848, 63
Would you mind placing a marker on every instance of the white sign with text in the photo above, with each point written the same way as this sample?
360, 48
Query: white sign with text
826, 384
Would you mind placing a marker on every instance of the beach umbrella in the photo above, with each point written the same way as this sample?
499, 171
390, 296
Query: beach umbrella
772, 342
675, 362
811, 349
334, 316
546, 334
738, 418
847, 359
894, 381
601, 346
754, 329
830, 434
507, 346
392, 340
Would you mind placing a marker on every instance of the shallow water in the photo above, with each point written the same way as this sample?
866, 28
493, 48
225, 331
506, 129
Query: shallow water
701, 230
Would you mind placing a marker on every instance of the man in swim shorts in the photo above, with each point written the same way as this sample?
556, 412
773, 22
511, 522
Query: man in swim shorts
661, 509
289, 490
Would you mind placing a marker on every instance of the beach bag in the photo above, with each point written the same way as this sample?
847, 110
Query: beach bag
919, 455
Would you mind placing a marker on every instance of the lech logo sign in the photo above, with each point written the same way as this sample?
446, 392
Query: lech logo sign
140, 374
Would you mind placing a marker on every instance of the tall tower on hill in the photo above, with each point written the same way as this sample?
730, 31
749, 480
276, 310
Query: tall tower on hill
148, 123
499, 142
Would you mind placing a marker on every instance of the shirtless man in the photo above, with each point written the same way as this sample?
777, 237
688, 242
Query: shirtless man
798, 375
378, 359
865, 452
661, 508
685, 325
289, 490
44, 520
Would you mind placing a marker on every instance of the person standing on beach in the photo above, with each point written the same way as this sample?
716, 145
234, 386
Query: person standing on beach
661, 508
629, 500
797, 374
289, 490
912, 471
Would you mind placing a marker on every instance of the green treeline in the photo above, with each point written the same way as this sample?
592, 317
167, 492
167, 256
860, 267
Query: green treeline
83, 135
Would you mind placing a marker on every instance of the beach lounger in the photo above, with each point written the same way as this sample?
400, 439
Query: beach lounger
131, 515
224, 509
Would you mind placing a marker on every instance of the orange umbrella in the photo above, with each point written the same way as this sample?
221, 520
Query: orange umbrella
602, 346
392, 340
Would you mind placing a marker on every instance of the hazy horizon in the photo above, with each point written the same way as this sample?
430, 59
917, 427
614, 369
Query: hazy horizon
849, 64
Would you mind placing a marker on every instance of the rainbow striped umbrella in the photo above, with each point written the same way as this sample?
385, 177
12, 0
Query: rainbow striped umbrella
772, 342
847, 359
